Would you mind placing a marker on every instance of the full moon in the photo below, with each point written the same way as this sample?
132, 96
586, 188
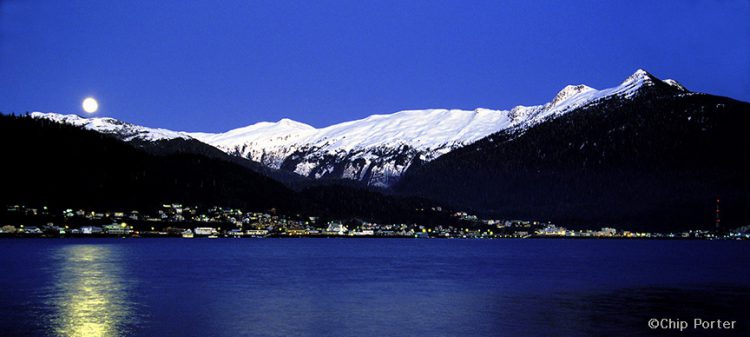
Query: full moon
90, 105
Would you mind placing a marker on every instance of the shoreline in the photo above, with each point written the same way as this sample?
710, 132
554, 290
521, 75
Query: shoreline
353, 237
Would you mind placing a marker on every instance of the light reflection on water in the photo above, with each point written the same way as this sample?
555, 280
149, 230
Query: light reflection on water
89, 293
164, 287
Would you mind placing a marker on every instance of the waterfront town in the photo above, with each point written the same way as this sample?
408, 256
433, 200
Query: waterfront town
176, 220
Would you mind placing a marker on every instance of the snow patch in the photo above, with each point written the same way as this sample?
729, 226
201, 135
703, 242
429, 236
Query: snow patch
107, 125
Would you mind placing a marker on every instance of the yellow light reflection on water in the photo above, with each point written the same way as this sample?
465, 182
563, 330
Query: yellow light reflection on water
91, 298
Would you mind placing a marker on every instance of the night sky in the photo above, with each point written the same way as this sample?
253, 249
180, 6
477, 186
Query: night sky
217, 65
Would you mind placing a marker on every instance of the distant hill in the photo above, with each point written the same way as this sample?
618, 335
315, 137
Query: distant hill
654, 159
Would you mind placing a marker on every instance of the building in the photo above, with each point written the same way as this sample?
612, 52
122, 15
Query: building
256, 232
296, 232
116, 229
205, 231
88, 230
364, 232
336, 228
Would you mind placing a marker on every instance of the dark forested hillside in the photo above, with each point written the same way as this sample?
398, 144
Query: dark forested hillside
61, 165
658, 160
58, 165
195, 147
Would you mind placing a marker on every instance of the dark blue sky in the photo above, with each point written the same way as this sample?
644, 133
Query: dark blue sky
217, 65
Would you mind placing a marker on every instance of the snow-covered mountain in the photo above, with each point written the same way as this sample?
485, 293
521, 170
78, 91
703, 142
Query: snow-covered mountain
651, 156
122, 130
378, 149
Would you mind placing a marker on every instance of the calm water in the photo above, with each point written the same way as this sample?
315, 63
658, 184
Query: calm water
375, 287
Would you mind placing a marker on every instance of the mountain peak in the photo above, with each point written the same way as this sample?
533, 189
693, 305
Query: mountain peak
635, 84
570, 91
640, 76
293, 124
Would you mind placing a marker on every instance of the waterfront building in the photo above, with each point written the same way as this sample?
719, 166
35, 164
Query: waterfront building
336, 228
32, 230
187, 234
205, 231
88, 230
552, 230
116, 229
296, 232
256, 232
235, 232
607, 231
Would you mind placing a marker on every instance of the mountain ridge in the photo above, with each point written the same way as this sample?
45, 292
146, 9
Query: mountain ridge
378, 149
654, 161
646, 152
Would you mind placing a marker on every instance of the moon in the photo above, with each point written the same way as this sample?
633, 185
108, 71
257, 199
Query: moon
90, 105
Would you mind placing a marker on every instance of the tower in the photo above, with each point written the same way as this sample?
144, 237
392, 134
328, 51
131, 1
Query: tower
718, 214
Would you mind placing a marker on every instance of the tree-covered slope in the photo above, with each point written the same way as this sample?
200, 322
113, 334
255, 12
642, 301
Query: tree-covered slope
57, 164
655, 160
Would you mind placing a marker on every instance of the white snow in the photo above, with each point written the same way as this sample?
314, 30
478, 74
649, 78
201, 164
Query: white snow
430, 132
123, 130
379, 140
675, 84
